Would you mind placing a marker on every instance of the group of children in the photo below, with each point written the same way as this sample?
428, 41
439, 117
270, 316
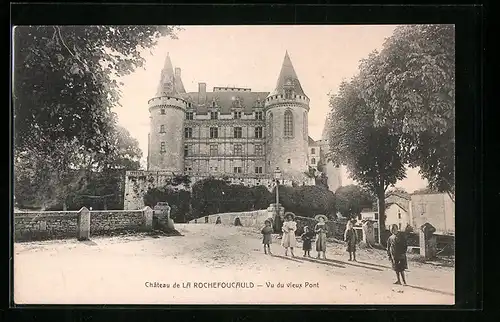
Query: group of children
396, 244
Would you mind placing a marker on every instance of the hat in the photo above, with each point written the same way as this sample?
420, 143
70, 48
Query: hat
268, 221
288, 214
317, 217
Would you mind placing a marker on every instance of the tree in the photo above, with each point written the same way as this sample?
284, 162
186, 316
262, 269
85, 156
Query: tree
352, 199
410, 86
307, 201
64, 90
370, 153
397, 190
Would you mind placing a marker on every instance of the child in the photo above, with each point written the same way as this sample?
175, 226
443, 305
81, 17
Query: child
289, 227
351, 239
320, 229
307, 237
396, 250
267, 238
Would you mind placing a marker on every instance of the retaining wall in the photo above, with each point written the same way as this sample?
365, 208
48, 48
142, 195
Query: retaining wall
45, 225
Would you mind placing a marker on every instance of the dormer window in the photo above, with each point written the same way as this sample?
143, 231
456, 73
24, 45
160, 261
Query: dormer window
213, 104
288, 94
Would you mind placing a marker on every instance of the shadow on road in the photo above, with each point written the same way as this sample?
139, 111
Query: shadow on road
89, 243
349, 263
430, 290
319, 261
288, 258
371, 264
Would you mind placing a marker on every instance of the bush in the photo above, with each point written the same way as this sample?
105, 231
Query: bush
211, 196
179, 201
308, 201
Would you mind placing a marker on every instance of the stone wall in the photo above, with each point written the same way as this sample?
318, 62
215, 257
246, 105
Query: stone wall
254, 218
46, 225
110, 221
437, 209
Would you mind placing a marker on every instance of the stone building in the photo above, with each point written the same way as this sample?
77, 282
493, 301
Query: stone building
230, 132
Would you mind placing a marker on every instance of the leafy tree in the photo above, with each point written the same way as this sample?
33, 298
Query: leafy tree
64, 90
397, 190
410, 86
352, 199
370, 153
424, 191
307, 201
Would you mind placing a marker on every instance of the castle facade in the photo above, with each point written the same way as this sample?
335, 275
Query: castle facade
229, 132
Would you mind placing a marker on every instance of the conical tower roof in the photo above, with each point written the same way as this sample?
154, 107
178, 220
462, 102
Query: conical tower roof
288, 77
167, 80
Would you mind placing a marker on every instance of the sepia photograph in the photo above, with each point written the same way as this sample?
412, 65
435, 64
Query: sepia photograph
238, 164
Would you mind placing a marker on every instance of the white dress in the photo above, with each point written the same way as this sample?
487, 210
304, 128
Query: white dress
289, 228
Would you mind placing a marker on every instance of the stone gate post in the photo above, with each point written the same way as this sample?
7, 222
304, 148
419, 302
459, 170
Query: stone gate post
428, 241
83, 224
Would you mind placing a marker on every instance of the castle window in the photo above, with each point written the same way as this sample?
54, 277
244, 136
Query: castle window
186, 150
258, 132
214, 133
288, 123
313, 151
162, 128
237, 132
237, 115
270, 124
162, 147
288, 94
258, 169
188, 132
258, 149
237, 170
214, 150
238, 149
214, 115
259, 116
213, 104
189, 115
399, 215
376, 216
289, 161
313, 161
399, 226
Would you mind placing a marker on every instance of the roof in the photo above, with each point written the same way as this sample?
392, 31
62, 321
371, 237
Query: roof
288, 76
247, 101
397, 204
169, 84
312, 142
399, 194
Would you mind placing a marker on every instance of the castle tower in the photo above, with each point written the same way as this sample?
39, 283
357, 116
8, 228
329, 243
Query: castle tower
286, 111
167, 113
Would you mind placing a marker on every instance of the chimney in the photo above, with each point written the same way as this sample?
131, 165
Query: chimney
202, 93
177, 72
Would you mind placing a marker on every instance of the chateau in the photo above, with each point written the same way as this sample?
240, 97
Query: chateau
229, 132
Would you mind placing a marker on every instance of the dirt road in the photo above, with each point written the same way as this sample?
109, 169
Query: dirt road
178, 270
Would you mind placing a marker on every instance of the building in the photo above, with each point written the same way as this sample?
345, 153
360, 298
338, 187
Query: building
230, 132
438, 209
397, 213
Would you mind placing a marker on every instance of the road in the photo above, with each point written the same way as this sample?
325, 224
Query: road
125, 269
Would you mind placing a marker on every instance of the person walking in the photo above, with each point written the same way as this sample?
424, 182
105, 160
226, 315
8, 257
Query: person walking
351, 240
289, 227
321, 230
396, 250
267, 237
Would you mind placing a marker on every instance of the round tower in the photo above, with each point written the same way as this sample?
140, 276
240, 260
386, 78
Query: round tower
287, 109
167, 114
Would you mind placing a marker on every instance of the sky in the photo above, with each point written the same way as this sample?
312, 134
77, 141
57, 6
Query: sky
251, 57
